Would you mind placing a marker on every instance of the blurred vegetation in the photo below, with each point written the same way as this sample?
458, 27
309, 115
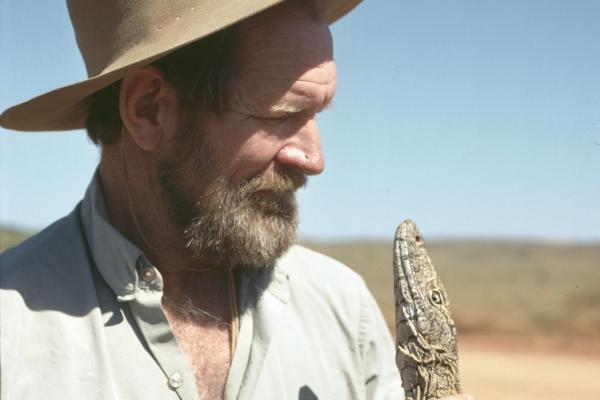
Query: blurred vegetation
506, 288
11, 237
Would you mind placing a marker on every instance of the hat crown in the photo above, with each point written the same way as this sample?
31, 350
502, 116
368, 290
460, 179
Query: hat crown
108, 30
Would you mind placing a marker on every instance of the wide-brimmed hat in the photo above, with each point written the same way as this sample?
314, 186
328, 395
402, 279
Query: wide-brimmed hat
117, 36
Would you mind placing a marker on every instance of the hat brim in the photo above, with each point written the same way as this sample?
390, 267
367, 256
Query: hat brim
66, 108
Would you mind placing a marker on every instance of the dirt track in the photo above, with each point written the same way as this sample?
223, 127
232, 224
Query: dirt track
501, 374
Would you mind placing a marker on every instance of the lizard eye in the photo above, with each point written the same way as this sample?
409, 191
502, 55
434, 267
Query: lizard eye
436, 297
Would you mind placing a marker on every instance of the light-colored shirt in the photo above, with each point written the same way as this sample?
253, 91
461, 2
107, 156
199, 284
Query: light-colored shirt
81, 318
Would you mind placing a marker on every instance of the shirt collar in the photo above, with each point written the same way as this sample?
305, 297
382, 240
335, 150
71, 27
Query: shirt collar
115, 256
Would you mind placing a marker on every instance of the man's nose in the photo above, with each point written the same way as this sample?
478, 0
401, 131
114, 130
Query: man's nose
303, 150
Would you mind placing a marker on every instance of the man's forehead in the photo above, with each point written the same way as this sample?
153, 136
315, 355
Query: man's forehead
285, 36
311, 89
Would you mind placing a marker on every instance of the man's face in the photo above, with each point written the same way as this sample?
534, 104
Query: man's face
230, 180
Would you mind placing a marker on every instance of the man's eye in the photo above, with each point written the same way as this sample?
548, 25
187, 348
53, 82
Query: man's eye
273, 119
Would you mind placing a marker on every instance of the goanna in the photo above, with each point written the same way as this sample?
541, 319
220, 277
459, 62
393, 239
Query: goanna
427, 349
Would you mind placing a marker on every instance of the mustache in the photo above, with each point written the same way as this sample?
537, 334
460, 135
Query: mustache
281, 181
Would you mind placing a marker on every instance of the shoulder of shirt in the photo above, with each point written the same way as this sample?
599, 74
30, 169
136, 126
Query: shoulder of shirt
47, 252
318, 271
327, 290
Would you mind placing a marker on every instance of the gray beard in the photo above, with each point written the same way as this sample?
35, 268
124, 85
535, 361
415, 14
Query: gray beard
240, 228
224, 227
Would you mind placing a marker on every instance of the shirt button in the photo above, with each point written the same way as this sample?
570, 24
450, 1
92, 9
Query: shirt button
146, 270
148, 274
175, 380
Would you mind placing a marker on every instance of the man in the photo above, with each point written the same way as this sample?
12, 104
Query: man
176, 276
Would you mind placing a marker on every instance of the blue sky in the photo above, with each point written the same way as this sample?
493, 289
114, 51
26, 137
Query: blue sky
477, 119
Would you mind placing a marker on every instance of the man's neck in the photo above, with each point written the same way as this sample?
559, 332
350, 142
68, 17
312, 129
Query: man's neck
135, 209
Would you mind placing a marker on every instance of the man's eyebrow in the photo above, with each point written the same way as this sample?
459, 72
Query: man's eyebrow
295, 107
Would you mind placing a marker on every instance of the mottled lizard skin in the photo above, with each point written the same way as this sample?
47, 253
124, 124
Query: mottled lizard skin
427, 351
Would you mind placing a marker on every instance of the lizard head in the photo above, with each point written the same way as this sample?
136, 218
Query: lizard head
424, 299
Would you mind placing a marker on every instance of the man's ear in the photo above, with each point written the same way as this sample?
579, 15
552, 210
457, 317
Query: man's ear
147, 104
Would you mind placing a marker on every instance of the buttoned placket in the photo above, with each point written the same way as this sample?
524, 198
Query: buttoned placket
144, 302
145, 306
